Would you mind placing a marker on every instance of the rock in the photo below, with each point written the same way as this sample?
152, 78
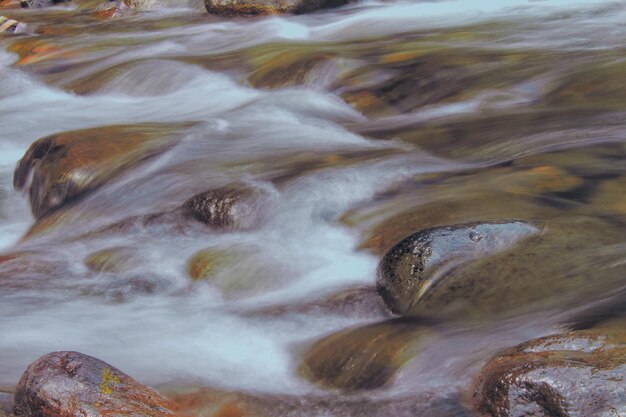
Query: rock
268, 7
65, 166
11, 26
611, 196
362, 358
112, 9
229, 207
116, 259
39, 4
362, 302
69, 384
576, 374
237, 270
417, 265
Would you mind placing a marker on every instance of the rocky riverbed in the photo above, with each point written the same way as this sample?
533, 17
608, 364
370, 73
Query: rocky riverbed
312, 208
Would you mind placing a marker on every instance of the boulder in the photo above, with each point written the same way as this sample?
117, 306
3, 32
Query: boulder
417, 265
65, 166
576, 374
69, 384
268, 7
362, 358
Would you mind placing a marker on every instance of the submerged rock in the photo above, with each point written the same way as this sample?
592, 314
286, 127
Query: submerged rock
11, 27
576, 374
230, 207
237, 271
116, 259
67, 165
362, 358
414, 267
362, 302
69, 384
268, 7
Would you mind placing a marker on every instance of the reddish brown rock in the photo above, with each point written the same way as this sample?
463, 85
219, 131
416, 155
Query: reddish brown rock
67, 165
577, 374
70, 384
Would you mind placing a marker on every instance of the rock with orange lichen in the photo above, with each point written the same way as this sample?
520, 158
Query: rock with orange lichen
576, 374
69, 384
60, 168
268, 7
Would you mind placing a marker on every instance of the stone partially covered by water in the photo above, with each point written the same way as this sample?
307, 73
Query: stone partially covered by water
68, 384
362, 358
418, 265
60, 168
576, 374
265, 7
229, 207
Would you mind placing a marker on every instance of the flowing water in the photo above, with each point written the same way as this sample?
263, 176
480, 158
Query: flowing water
360, 125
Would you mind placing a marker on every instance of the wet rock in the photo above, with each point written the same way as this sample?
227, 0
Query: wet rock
67, 165
417, 265
611, 196
117, 259
11, 27
39, 4
237, 270
68, 384
211, 402
363, 302
577, 374
268, 7
362, 358
112, 9
229, 207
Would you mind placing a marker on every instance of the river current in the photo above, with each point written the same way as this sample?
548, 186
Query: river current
344, 119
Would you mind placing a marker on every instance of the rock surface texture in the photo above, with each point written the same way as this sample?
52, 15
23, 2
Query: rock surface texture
267, 7
70, 384
418, 264
577, 374
67, 165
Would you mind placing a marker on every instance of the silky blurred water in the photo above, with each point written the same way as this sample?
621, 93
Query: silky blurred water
507, 90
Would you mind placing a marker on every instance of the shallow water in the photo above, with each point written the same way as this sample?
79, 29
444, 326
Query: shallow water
361, 125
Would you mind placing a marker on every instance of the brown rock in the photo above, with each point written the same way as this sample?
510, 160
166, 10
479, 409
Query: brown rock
362, 358
267, 7
67, 165
116, 259
576, 374
363, 302
70, 384
228, 207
